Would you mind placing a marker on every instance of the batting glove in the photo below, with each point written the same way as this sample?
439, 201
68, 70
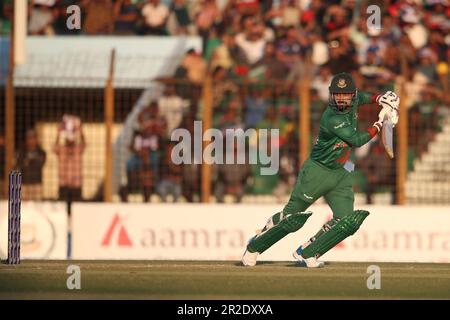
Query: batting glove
389, 99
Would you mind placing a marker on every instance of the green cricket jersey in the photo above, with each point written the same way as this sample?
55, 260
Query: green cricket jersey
338, 134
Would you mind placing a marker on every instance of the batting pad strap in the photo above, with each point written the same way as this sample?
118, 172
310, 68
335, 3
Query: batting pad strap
290, 223
346, 227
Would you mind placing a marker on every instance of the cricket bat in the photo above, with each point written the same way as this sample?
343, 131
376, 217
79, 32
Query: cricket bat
387, 136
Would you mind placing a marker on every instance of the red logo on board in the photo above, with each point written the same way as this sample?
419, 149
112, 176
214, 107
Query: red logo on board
123, 240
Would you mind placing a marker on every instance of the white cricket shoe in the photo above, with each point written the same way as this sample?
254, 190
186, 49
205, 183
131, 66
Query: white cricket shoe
249, 258
307, 262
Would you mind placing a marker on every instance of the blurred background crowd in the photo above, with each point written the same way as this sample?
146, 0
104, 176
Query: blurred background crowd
256, 52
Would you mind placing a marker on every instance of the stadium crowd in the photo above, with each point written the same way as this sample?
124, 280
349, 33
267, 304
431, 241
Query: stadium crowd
255, 52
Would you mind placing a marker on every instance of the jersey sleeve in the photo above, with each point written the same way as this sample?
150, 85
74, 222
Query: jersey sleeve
366, 98
347, 133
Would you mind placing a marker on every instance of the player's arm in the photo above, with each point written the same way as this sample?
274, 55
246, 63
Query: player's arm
368, 98
354, 138
387, 99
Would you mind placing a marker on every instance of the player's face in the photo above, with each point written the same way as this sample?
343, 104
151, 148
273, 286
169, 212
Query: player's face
343, 100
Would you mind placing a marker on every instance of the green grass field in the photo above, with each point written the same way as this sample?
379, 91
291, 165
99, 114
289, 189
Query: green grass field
221, 280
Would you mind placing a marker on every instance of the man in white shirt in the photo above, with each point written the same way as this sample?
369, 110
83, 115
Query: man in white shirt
172, 108
155, 15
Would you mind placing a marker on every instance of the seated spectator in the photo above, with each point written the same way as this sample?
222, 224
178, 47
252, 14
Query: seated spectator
437, 44
231, 180
380, 173
171, 177
41, 19
256, 106
247, 7
172, 108
6, 12
252, 41
322, 81
193, 66
212, 43
342, 56
180, 10
438, 17
126, 15
391, 32
287, 175
223, 90
225, 54
231, 118
427, 64
285, 14
338, 22
30, 161
143, 166
69, 154
205, 19
99, 17
274, 69
155, 15
290, 50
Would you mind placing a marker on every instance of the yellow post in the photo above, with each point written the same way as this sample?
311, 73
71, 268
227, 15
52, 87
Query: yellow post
402, 146
109, 122
304, 119
10, 111
207, 120
402, 136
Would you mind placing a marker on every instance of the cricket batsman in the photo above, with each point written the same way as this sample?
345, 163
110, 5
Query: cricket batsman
328, 173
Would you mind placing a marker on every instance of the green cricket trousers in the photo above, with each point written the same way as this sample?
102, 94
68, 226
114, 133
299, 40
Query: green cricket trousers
315, 181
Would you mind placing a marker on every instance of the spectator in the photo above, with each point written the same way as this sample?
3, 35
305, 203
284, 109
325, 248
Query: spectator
322, 82
171, 176
342, 56
231, 180
41, 18
205, 19
30, 160
155, 15
247, 7
225, 54
256, 107
337, 24
231, 119
182, 17
69, 152
223, 90
427, 64
143, 166
438, 17
194, 67
6, 13
437, 45
212, 43
251, 42
126, 15
172, 108
285, 14
290, 50
377, 177
274, 69
99, 17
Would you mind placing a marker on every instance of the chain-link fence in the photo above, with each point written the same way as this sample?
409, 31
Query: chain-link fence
60, 142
